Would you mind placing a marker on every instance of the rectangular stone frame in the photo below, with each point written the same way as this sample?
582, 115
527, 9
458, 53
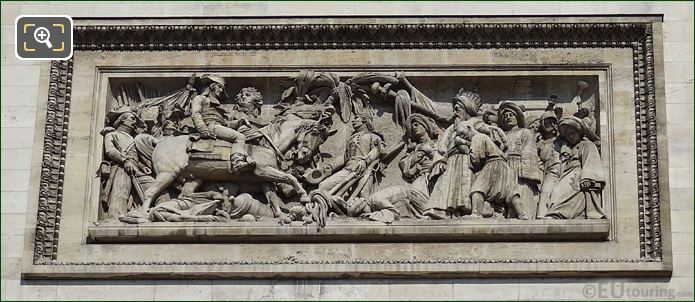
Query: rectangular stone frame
631, 43
352, 231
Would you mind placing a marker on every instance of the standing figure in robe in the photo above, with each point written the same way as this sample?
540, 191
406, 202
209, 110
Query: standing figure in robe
522, 156
550, 159
451, 194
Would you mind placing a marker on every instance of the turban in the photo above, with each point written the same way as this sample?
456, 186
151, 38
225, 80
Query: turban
577, 124
468, 101
514, 108
429, 124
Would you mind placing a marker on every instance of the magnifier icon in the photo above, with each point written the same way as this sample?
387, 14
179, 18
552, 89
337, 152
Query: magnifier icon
42, 35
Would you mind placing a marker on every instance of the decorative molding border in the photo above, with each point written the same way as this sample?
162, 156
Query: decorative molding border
356, 36
636, 36
53, 163
292, 260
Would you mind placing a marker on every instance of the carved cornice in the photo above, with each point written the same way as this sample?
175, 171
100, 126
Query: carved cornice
636, 36
291, 260
356, 36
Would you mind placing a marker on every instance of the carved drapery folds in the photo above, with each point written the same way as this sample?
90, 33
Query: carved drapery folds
637, 36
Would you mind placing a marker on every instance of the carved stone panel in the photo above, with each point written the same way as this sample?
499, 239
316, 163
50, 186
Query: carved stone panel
256, 150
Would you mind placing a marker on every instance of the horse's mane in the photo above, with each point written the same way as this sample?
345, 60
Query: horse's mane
304, 124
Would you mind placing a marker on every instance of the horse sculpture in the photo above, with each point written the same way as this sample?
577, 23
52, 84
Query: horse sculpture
171, 161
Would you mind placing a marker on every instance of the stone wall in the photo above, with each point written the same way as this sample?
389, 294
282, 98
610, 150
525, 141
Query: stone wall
20, 94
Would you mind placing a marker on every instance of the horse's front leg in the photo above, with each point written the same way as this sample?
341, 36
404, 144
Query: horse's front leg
276, 175
271, 195
163, 180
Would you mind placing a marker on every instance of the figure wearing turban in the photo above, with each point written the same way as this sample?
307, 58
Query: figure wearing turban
522, 154
451, 194
578, 191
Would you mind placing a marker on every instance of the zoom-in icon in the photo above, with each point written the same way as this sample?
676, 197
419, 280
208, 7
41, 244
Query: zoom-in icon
43, 37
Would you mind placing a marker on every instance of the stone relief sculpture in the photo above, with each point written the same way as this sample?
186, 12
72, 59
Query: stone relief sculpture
197, 207
356, 175
577, 193
421, 167
449, 198
496, 182
209, 157
209, 122
522, 157
550, 159
123, 171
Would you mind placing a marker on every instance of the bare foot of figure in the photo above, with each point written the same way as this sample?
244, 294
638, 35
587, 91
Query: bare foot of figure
432, 213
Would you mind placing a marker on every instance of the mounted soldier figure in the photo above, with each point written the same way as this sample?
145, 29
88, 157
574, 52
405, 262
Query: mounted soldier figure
209, 119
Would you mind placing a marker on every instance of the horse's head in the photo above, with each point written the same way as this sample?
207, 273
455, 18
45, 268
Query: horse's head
309, 138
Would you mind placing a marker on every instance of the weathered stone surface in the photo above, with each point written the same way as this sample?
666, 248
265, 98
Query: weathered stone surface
243, 290
37, 290
176, 290
14, 202
74, 205
126, 290
356, 289
580, 230
20, 137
